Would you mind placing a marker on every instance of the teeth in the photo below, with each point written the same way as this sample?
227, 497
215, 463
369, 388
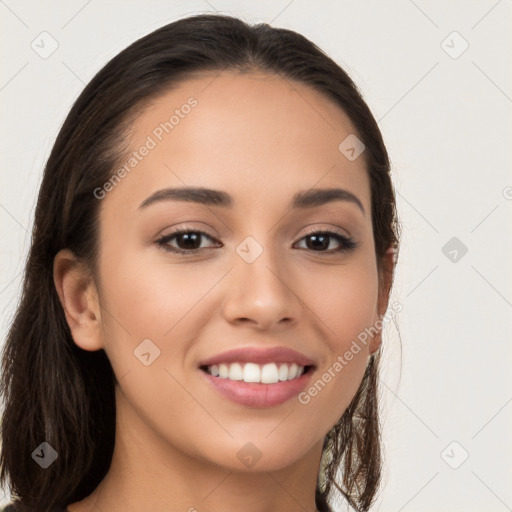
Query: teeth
283, 372
252, 372
236, 372
223, 371
269, 374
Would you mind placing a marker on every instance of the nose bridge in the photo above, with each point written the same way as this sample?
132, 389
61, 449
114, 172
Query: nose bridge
260, 289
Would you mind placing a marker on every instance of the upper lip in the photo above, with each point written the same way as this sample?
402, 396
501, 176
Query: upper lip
259, 356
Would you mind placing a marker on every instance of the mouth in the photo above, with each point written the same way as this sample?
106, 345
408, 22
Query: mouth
256, 376
252, 372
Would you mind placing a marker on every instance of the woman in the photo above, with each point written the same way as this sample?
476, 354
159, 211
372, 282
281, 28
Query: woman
213, 251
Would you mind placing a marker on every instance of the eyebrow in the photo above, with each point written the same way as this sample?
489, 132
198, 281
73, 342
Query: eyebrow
308, 199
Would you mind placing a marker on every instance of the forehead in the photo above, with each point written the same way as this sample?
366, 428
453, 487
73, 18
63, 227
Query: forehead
259, 137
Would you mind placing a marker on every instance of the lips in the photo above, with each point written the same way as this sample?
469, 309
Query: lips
259, 356
242, 368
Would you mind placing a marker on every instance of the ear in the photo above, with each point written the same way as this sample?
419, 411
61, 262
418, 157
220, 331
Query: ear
386, 272
79, 298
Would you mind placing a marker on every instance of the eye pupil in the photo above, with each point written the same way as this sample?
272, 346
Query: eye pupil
191, 240
319, 241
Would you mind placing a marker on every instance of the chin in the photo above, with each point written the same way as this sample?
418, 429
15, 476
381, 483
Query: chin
264, 456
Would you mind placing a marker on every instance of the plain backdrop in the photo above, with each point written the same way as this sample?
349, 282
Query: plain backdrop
436, 76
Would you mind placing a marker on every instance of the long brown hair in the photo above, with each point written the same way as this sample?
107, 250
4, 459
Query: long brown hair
57, 393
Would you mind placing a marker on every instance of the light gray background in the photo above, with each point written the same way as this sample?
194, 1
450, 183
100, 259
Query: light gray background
446, 119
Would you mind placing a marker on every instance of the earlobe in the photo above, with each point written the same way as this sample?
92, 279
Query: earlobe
79, 299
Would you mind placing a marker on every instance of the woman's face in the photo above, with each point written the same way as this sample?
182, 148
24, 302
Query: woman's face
264, 276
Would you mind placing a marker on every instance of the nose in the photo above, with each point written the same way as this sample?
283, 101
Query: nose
261, 293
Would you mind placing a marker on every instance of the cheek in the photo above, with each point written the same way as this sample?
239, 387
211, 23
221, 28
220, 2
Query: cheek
151, 297
344, 299
345, 303
331, 391
144, 299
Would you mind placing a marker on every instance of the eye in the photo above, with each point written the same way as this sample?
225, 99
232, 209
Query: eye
188, 241
320, 240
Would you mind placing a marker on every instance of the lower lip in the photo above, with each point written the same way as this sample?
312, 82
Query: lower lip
255, 394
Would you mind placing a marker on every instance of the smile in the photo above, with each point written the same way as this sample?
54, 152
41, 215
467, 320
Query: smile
269, 373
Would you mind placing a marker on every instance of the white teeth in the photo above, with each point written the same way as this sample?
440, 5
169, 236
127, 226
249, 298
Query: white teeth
235, 372
252, 372
269, 374
223, 371
283, 372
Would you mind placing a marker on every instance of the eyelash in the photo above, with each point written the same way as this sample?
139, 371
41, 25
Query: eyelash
347, 244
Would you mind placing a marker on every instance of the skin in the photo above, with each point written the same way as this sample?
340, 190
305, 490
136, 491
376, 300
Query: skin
261, 139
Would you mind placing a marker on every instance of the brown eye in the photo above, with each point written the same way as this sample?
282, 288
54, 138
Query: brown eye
319, 241
187, 240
